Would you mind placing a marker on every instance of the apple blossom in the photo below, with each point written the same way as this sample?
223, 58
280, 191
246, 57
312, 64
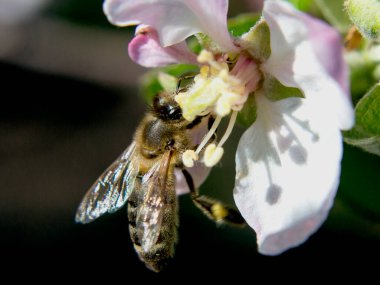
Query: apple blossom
288, 160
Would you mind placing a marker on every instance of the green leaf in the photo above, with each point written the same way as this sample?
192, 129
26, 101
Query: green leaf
274, 90
247, 116
257, 41
365, 14
242, 23
150, 84
366, 132
333, 12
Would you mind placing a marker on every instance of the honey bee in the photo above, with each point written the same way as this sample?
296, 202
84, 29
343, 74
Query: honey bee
143, 177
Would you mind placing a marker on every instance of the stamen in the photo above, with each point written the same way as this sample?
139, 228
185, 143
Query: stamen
188, 158
209, 134
205, 56
212, 155
228, 131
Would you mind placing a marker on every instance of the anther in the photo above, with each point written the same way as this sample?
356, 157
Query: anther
188, 158
212, 155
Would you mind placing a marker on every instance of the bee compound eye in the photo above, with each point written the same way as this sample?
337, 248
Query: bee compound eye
175, 113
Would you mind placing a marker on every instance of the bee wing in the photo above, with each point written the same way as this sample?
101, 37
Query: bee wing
150, 212
110, 192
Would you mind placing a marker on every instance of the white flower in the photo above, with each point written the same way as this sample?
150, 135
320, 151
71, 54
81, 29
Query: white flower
288, 160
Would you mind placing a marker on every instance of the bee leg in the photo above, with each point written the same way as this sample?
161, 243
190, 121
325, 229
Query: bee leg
212, 208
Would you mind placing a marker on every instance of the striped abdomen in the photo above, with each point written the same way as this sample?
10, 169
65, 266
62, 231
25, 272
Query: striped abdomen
163, 250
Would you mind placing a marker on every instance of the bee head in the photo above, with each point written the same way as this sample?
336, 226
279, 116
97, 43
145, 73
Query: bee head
166, 108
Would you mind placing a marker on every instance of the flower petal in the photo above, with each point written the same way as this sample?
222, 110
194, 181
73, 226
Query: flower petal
174, 20
297, 61
198, 173
147, 51
327, 45
287, 172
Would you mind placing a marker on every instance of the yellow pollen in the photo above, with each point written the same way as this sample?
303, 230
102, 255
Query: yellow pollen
205, 56
204, 71
219, 211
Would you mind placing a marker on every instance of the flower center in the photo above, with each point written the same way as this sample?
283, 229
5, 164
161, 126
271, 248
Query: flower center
220, 91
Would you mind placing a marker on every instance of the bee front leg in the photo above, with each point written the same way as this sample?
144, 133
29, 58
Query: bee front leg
212, 208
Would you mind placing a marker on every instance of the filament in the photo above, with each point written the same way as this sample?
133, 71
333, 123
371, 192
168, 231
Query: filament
209, 134
229, 129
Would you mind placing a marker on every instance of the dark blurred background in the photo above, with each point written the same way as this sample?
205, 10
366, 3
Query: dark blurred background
69, 107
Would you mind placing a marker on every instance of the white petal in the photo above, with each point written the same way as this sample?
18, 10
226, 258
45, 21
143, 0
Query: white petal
287, 172
198, 173
174, 20
293, 61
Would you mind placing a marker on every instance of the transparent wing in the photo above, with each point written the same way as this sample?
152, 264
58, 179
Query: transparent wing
150, 212
110, 192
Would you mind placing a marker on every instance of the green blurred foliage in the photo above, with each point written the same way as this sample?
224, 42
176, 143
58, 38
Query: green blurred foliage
242, 23
359, 185
362, 73
330, 10
333, 12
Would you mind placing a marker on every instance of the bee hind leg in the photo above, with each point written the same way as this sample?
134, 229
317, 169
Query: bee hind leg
212, 208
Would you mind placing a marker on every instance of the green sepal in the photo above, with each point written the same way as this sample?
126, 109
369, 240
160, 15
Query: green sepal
247, 116
274, 90
150, 84
205, 42
366, 132
365, 14
257, 41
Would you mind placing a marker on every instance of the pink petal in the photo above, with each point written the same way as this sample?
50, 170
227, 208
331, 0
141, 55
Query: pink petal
147, 51
174, 20
297, 61
327, 45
